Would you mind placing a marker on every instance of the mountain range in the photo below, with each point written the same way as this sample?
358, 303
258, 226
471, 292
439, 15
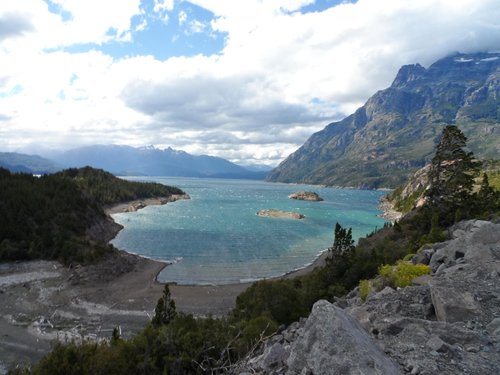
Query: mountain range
126, 160
395, 132
16, 162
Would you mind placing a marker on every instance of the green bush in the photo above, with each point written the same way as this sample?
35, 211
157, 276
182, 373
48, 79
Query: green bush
364, 289
402, 274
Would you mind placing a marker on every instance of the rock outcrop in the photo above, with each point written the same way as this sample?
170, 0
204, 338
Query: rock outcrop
306, 196
280, 214
446, 323
392, 134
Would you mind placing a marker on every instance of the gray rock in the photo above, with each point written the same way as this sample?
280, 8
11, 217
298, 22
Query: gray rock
452, 305
333, 342
446, 323
435, 343
274, 356
384, 292
494, 327
420, 258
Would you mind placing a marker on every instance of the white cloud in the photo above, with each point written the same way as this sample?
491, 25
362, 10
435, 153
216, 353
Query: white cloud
281, 75
162, 7
197, 27
142, 26
89, 21
182, 17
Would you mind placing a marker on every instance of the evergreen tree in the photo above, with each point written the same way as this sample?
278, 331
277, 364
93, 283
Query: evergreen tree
488, 198
452, 170
165, 309
341, 253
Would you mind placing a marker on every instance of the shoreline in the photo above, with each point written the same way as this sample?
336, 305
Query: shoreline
137, 204
132, 206
199, 299
388, 211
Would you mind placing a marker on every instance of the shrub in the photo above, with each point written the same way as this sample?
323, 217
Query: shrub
402, 274
408, 257
364, 289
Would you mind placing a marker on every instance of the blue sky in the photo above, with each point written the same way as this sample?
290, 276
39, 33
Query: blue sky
180, 29
247, 80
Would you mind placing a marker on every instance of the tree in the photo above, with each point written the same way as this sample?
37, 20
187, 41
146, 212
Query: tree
165, 309
452, 170
488, 198
341, 253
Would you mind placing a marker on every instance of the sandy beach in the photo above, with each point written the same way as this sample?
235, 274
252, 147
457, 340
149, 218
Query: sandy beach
43, 301
201, 300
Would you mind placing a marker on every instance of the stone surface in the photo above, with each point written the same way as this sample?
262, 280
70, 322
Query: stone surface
447, 324
333, 342
452, 305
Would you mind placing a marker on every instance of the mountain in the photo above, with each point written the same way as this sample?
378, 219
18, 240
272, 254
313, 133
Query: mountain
395, 132
150, 161
257, 167
35, 164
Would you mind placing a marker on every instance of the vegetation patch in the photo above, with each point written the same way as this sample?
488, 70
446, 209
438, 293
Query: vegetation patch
402, 274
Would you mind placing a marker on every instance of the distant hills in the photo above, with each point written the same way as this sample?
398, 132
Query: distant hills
126, 160
395, 132
34, 164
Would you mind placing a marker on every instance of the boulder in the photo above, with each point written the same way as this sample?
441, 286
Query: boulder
445, 323
333, 342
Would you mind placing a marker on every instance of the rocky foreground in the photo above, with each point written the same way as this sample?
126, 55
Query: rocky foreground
446, 323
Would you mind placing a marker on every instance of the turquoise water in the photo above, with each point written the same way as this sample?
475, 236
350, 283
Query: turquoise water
217, 238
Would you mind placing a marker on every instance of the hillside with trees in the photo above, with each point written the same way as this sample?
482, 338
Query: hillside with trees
48, 217
177, 343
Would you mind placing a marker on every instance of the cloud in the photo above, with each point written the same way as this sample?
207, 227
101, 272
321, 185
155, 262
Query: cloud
203, 102
182, 17
162, 7
281, 75
71, 22
14, 24
197, 27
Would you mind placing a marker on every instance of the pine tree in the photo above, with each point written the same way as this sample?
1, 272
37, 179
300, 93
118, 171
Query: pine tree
488, 198
165, 309
452, 170
341, 253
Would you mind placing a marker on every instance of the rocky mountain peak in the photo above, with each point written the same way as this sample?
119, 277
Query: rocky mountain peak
409, 74
395, 132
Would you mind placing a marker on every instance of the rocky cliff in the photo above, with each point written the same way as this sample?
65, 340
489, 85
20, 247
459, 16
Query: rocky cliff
394, 133
446, 323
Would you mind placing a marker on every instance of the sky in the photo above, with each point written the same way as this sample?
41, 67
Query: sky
247, 80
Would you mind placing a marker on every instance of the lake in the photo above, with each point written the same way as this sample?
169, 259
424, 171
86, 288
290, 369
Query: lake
217, 238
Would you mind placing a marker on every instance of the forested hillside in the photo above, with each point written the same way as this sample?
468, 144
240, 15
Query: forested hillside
106, 189
48, 217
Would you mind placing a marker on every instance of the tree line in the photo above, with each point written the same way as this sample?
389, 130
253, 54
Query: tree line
47, 217
176, 343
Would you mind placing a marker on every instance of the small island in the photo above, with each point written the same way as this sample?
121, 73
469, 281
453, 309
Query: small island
280, 214
306, 196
